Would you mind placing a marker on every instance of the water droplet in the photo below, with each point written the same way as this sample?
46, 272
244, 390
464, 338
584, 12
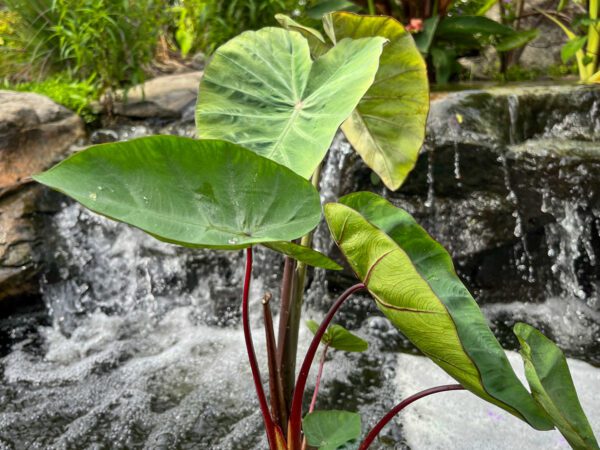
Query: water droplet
93, 196
146, 199
100, 188
233, 241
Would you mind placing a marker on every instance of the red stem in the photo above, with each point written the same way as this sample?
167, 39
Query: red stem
260, 393
318, 382
400, 406
295, 423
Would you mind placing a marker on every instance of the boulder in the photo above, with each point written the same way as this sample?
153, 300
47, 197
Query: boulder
170, 96
35, 133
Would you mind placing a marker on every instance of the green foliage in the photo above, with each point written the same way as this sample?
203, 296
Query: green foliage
193, 193
111, 40
425, 300
263, 91
329, 430
204, 25
73, 94
552, 386
339, 338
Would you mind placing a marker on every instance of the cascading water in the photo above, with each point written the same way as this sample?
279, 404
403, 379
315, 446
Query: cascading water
144, 347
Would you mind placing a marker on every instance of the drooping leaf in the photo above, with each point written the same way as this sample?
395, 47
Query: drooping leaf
550, 380
339, 338
304, 254
571, 48
328, 430
194, 193
263, 91
387, 127
444, 63
458, 27
413, 282
326, 6
316, 41
516, 39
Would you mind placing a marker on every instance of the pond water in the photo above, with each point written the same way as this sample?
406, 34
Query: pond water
139, 343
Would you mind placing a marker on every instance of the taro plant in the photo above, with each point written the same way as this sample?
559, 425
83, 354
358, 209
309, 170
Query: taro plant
270, 103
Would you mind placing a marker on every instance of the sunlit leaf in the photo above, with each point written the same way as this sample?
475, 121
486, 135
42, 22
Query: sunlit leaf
552, 386
387, 128
304, 254
328, 430
193, 193
263, 91
339, 338
413, 282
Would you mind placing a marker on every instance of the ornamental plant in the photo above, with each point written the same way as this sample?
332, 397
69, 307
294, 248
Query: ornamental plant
270, 103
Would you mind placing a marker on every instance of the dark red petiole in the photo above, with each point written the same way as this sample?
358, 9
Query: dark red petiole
295, 422
400, 406
260, 393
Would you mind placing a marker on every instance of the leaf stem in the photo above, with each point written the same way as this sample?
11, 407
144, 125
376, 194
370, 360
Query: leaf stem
295, 422
318, 381
400, 406
291, 312
278, 408
260, 393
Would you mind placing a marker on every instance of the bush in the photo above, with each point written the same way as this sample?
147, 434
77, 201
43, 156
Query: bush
111, 40
203, 25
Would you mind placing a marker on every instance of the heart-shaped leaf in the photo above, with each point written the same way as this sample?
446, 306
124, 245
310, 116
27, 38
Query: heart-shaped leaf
387, 128
329, 430
304, 254
194, 193
339, 338
263, 91
550, 380
413, 282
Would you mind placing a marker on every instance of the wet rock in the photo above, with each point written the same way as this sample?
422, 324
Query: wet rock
169, 96
508, 182
35, 132
17, 240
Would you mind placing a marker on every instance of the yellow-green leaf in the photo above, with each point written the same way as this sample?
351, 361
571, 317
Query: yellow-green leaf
387, 128
413, 282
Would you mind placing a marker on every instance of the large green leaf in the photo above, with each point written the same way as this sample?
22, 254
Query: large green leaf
329, 430
263, 91
388, 126
339, 338
413, 281
194, 193
552, 386
305, 254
